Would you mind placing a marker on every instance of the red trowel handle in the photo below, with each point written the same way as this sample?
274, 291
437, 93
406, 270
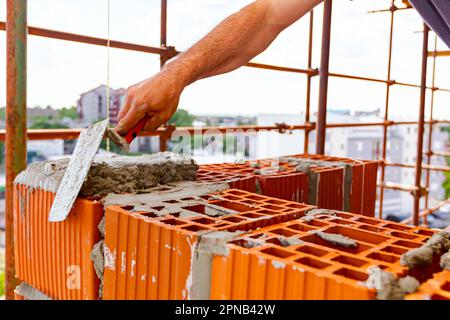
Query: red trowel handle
133, 133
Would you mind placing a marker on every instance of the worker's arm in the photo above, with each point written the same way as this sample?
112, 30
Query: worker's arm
231, 44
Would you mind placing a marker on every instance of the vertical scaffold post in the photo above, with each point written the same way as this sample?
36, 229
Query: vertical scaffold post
16, 122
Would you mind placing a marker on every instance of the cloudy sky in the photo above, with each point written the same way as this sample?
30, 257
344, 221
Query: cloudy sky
58, 71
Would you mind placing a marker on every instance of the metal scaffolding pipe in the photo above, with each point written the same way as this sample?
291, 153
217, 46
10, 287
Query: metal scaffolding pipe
430, 127
69, 134
428, 211
170, 52
163, 23
445, 53
397, 186
16, 124
440, 153
323, 80
53, 34
163, 30
420, 126
386, 111
424, 166
308, 82
166, 52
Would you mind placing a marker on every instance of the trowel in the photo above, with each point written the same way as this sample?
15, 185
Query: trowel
83, 155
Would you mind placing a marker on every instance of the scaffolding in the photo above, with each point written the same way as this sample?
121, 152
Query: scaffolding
16, 133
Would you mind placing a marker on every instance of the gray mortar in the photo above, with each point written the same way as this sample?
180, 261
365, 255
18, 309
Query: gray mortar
45, 175
261, 241
258, 188
250, 243
388, 286
117, 174
98, 259
311, 214
117, 139
167, 199
348, 180
22, 203
30, 293
289, 241
217, 211
313, 185
423, 256
101, 226
439, 242
445, 261
418, 257
408, 284
336, 239
304, 165
267, 170
211, 244
171, 191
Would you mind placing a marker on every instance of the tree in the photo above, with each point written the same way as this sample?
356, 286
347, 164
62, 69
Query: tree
182, 118
68, 112
43, 122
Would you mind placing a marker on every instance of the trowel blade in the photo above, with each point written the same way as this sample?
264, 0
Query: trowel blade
87, 146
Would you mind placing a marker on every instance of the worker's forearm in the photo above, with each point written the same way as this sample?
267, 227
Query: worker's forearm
238, 39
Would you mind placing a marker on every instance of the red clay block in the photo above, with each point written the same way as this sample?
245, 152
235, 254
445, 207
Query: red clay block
55, 257
333, 183
236, 181
150, 257
290, 261
436, 288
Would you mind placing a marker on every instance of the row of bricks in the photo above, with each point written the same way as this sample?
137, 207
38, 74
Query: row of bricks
150, 257
362, 194
322, 264
48, 254
280, 179
154, 261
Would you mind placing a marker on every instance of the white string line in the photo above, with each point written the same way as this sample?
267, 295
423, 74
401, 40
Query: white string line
107, 75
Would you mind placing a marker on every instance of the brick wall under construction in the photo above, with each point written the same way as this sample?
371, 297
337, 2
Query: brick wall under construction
222, 237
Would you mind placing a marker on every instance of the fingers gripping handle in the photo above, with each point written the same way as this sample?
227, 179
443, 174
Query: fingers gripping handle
133, 133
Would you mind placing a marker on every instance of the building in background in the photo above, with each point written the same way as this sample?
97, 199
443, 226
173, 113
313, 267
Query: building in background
273, 144
45, 148
362, 143
91, 106
409, 145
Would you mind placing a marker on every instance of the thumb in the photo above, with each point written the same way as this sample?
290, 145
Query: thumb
129, 121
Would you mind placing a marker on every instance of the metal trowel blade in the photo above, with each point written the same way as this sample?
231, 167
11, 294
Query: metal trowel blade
87, 146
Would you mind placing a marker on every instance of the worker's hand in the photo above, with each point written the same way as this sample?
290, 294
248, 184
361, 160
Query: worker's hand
156, 97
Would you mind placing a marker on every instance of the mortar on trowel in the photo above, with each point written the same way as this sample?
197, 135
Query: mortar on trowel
83, 155
123, 142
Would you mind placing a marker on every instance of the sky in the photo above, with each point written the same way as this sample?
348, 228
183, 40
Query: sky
58, 71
